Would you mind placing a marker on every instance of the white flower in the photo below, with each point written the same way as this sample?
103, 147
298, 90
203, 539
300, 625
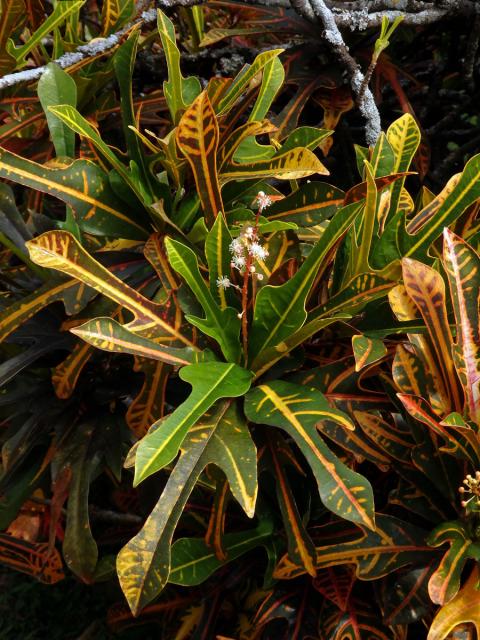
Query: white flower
248, 233
236, 247
263, 200
223, 282
238, 262
257, 251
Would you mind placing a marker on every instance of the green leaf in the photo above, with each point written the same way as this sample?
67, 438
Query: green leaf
210, 381
221, 324
82, 185
179, 92
298, 410
307, 137
73, 119
193, 561
310, 205
218, 257
280, 311
270, 356
57, 87
353, 297
367, 350
272, 79
58, 16
123, 64
79, 546
243, 79
222, 439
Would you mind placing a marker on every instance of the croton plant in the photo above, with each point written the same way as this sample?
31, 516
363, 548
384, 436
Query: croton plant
218, 368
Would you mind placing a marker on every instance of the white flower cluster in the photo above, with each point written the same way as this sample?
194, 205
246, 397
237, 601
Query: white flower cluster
246, 249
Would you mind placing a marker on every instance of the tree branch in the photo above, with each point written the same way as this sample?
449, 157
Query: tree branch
332, 35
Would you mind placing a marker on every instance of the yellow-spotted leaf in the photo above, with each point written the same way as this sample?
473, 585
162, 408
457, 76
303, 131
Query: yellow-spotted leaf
210, 381
243, 79
426, 288
115, 13
148, 406
197, 136
404, 137
65, 375
367, 351
109, 335
60, 250
464, 193
73, 294
462, 265
298, 410
221, 438
82, 185
293, 164
445, 581
430, 208
463, 609
393, 544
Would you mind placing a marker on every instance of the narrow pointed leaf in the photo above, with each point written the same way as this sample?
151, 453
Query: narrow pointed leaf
462, 265
243, 79
109, 335
57, 87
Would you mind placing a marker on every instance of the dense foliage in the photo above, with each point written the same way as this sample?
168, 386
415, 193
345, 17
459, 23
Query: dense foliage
235, 397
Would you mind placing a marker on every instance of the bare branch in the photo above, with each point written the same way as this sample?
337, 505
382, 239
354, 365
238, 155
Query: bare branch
332, 35
89, 50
